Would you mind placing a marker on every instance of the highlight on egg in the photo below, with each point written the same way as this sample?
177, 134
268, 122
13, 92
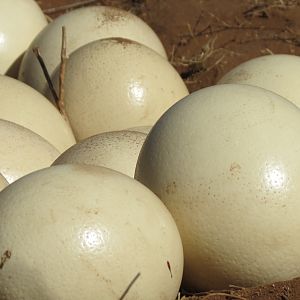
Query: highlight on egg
125, 84
80, 231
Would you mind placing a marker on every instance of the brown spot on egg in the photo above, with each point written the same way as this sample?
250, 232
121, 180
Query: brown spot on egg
5, 256
235, 168
171, 188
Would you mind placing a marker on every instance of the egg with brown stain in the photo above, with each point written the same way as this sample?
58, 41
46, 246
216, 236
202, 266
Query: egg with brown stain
83, 26
225, 161
115, 84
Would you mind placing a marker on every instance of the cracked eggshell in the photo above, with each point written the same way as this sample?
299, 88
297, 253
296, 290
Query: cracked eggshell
79, 232
117, 150
22, 151
225, 161
20, 22
23, 105
125, 84
3, 182
83, 26
278, 73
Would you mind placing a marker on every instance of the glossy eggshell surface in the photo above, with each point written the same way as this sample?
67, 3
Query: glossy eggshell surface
83, 232
225, 161
82, 27
117, 150
20, 22
122, 84
22, 151
3, 182
23, 105
278, 73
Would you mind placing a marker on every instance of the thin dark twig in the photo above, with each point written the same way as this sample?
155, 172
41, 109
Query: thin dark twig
130, 285
208, 30
37, 53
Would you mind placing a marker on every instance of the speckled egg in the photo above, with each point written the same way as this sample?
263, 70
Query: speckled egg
278, 73
79, 232
225, 161
117, 150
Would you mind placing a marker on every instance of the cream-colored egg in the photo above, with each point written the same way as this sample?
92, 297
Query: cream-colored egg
82, 27
3, 182
144, 129
85, 232
22, 151
278, 73
117, 150
115, 84
225, 161
20, 22
23, 105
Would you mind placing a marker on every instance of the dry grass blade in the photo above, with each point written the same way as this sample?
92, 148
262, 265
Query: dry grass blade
200, 62
37, 53
223, 295
236, 287
61, 8
130, 285
62, 71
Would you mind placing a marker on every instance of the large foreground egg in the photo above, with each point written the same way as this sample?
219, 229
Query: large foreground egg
82, 27
117, 150
22, 151
278, 73
115, 84
20, 22
21, 104
83, 233
226, 162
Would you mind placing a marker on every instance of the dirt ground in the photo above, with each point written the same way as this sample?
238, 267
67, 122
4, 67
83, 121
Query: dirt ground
204, 39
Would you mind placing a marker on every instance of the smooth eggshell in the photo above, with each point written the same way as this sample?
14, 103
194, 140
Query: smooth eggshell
122, 84
84, 232
22, 151
23, 105
278, 73
3, 182
82, 27
20, 22
117, 150
225, 161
